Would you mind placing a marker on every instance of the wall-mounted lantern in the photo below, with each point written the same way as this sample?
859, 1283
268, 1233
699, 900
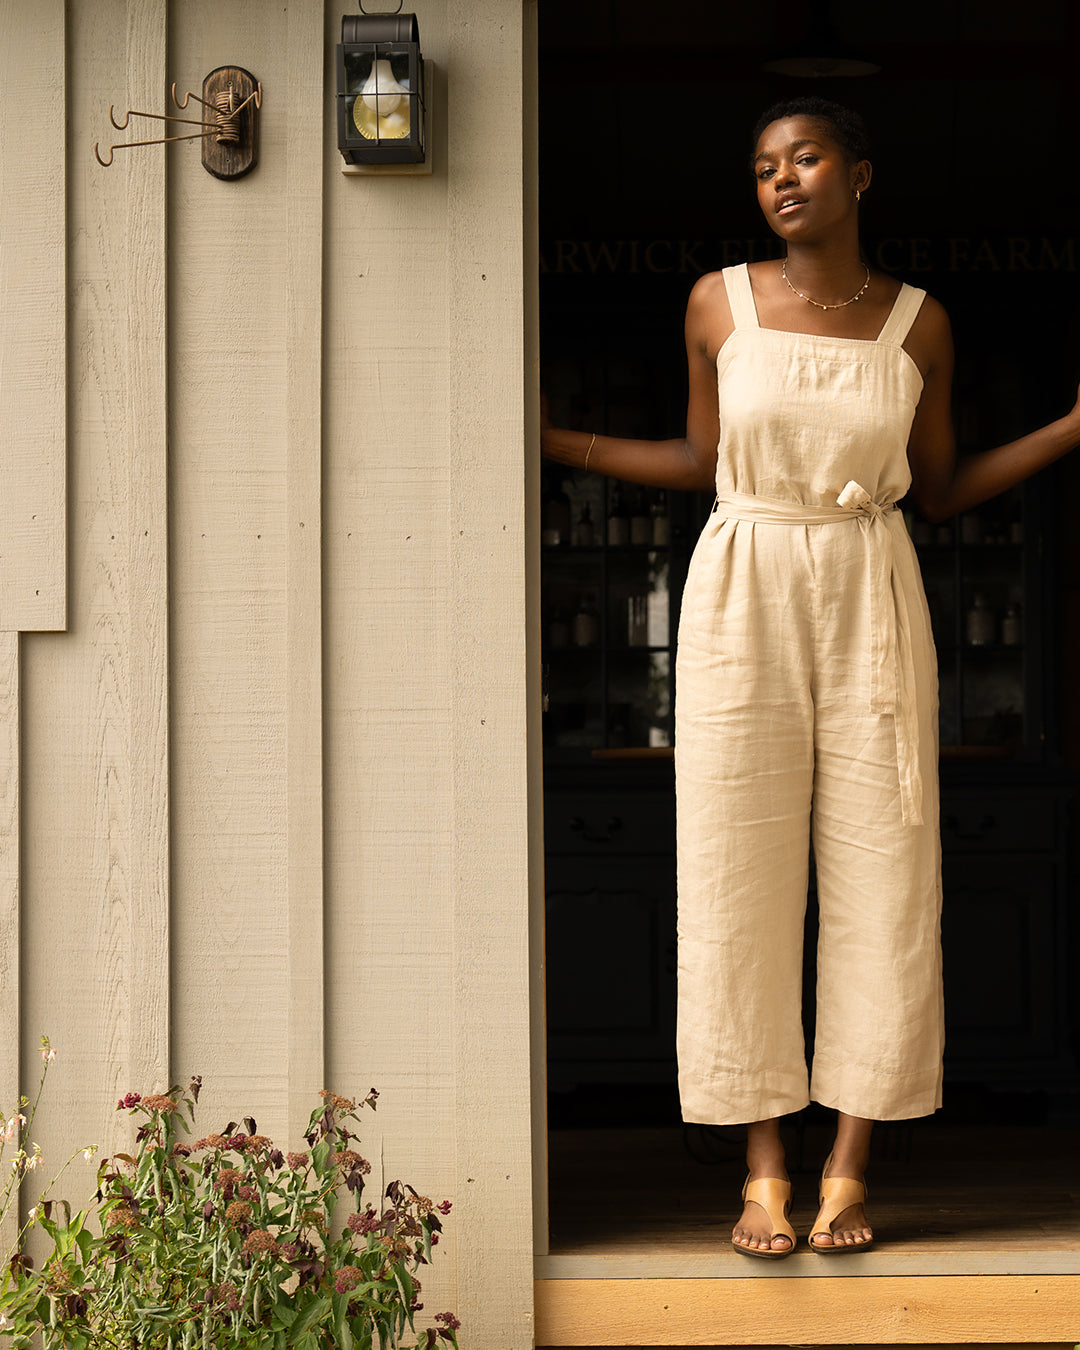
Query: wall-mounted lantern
380, 89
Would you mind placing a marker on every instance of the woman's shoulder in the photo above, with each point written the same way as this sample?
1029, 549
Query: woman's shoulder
929, 340
708, 314
709, 295
709, 285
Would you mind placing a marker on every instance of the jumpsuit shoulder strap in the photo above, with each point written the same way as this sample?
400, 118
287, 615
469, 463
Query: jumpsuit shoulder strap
740, 296
898, 324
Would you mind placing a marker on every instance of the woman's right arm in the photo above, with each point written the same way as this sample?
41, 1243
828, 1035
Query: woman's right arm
688, 464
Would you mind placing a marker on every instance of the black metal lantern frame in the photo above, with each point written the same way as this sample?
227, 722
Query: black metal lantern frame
380, 90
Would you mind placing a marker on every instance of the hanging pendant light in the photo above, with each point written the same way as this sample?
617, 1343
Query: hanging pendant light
822, 53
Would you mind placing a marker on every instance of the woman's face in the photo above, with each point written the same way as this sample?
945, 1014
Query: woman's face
805, 182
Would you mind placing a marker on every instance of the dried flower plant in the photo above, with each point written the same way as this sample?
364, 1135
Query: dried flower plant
15, 1129
230, 1244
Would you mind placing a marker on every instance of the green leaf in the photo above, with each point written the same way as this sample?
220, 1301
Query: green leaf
283, 1313
405, 1285
312, 1314
319, 1155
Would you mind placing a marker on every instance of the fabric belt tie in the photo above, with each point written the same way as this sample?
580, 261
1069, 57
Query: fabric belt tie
891, 667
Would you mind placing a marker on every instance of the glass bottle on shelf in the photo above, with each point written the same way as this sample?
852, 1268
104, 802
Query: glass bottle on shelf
660, 527
618, 522
980, 623
640, 520
559, 629
1011, 632
585, 628
556, 529
637, 620
584, 536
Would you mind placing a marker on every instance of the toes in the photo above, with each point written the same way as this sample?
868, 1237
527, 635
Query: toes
780, 1243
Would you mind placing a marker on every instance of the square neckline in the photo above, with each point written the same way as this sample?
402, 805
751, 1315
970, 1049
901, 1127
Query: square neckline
828, 337
743, 304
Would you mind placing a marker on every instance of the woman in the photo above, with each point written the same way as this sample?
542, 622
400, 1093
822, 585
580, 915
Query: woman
806, 688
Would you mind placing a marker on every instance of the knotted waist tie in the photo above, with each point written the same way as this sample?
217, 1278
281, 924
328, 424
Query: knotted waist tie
891, 668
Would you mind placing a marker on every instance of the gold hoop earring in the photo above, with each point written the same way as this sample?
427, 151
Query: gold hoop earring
858, 195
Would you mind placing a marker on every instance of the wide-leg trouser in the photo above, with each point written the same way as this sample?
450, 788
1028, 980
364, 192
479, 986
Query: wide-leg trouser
775, 744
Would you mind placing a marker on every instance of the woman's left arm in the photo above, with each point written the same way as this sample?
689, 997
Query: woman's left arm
942, 482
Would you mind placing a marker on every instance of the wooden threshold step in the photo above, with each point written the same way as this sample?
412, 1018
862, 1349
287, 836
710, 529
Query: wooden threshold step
897, 1310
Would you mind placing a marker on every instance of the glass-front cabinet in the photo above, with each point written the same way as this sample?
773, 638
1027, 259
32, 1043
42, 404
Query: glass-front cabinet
985, 588
614, 563
615, 558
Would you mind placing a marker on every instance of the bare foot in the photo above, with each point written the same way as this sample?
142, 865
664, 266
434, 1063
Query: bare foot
754, 1229
850, 1228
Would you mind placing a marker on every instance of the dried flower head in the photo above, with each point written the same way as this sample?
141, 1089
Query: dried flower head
350, 1161
347, 1278
338, 1103
228, 1294
298, 1161
215, 1141
159, 1102
228, 1176
238, 1212
127, 1102
122, 1216
260, 1242
363, 1224
57, 1279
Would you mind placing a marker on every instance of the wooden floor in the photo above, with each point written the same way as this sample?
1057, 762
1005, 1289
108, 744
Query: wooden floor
959, 1200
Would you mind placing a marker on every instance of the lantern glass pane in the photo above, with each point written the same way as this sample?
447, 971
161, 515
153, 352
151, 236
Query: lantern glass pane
380, 98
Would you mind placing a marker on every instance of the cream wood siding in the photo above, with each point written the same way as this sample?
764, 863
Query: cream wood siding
32, 303
266, 811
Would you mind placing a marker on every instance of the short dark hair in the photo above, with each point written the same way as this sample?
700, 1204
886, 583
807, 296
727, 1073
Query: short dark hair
845, 126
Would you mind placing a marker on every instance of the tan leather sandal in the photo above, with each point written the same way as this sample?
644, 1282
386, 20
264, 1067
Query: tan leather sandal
774, 1197
835, 1195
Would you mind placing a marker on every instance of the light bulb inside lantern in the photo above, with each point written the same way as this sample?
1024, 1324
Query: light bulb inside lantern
381, 112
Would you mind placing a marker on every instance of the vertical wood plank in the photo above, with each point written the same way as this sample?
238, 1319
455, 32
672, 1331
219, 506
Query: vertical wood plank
530, 76
93, 782
235, 718
388, 622
148, 560
488, 656
303, 419
33, 536
10, 938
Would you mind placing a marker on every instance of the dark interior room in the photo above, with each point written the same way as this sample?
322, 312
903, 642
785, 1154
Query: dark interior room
645, 122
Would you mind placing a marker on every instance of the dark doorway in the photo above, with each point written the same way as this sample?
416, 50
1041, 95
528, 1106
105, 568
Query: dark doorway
644, 126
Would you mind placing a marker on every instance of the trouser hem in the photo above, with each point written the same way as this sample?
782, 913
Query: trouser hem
716, 1103
873, 1095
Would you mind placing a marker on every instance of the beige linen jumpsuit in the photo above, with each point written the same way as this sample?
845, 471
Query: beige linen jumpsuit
806, 703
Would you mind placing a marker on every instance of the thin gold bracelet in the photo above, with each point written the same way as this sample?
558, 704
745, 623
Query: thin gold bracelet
588, 452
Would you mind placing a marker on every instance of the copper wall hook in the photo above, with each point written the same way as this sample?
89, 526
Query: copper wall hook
229, 130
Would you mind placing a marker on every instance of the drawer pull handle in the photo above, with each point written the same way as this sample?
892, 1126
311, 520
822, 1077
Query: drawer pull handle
612, 827
984, 826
